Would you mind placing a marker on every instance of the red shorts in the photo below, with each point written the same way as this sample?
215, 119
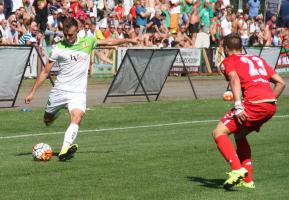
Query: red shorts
258, 114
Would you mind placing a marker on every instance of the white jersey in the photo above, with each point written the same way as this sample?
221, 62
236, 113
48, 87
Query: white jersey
73, 61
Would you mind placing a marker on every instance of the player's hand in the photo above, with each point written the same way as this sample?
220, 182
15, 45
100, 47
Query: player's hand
28, 98
240, 113
241, 116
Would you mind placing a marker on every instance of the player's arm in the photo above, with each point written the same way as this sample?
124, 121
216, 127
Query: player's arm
235, 85
236, 90
279, 84
40, 79
112, 42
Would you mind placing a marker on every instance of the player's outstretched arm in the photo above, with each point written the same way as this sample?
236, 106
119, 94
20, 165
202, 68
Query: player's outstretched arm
112, 42
279, 84
40, 79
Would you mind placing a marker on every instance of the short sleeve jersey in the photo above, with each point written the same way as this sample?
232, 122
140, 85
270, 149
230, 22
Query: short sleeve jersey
73, 61
254, 74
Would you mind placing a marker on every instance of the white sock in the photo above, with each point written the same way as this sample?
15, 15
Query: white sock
70, 135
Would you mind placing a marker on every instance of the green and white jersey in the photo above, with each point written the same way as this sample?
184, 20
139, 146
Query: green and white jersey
73, 61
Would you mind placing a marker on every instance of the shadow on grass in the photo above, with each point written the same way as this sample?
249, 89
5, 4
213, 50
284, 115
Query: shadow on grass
210, 183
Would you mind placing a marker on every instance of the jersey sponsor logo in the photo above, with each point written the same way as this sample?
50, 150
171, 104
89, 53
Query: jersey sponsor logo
77, 57
260, 80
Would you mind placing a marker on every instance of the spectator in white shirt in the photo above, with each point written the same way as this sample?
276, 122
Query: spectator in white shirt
86, 31
3, 28
52, 29
12, 33
226, 25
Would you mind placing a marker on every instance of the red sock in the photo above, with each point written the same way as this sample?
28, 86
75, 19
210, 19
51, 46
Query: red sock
227, 149
244, 153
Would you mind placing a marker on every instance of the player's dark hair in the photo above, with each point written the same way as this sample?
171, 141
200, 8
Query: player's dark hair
69, 22
233, 41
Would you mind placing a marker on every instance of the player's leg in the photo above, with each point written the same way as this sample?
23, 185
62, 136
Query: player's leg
56, 101
49, 117
244, 154
221, 133
68, 148
225, 145
76, 107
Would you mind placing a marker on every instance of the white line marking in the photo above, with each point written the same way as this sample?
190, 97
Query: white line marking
123, 128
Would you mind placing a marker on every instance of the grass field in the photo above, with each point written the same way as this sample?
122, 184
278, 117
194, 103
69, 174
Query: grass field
144, 151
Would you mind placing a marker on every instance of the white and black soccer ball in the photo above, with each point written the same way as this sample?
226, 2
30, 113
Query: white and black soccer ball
42, 152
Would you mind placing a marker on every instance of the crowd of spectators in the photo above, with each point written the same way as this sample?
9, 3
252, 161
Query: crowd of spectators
161, 23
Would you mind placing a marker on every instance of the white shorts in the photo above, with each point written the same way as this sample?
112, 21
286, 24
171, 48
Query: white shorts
59, 99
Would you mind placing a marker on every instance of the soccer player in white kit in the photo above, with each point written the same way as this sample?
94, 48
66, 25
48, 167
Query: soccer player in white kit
73, 57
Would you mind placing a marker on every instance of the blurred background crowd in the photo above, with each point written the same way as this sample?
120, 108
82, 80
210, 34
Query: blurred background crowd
158, 23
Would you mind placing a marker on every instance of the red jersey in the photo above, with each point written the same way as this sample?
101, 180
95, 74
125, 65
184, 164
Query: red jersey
254, 74
133, 12
119, 11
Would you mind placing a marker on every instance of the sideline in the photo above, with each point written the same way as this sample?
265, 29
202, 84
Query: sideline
123, 128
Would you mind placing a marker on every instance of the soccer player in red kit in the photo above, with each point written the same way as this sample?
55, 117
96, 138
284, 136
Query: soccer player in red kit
251, 77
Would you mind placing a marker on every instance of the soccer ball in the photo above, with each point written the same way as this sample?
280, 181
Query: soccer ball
228, 96
42, 152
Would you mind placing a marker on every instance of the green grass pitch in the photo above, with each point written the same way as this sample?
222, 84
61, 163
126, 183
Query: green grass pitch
145, 151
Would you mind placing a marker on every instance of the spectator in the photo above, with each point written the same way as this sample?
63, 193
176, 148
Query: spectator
261, 35
120, 34
23, 24
275, 36
194, 22
25, 39
109, 6
272, 21
110, 33
173, 39
86, 31
3, 28
155, 24
182, 38
272, 8
132, 12
244, 29
77, 11
226, 25
135, 32
126, 30
253, 6
12, 34
235, 23
2, 15
186, 7
175, 10
40, 11
259, 22
141, 17
215, 31
17, 4
99, 33
28, 7
8, 5
119, 11
53, 25
205, 18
